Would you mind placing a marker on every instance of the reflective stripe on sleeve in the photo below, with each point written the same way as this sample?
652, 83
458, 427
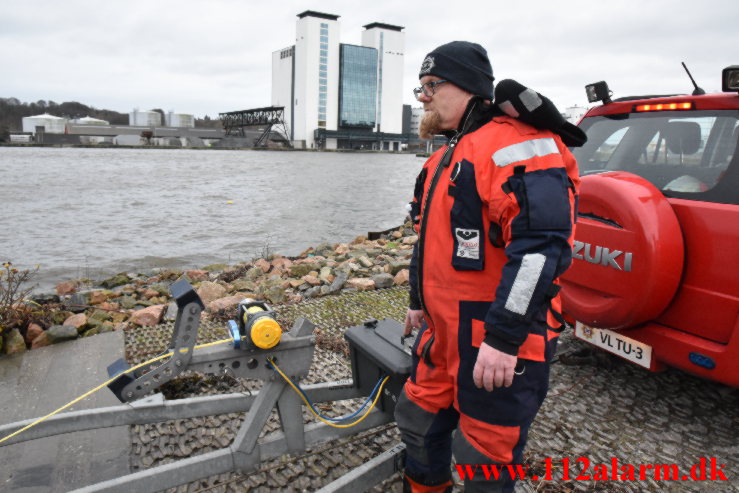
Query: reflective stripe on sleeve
524, 150
525, 283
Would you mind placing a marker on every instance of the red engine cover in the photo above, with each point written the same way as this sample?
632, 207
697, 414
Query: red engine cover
628, 256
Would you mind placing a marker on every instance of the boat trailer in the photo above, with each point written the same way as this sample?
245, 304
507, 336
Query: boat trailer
379, 353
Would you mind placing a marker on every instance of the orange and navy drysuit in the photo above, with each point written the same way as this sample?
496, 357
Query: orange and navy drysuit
494, 211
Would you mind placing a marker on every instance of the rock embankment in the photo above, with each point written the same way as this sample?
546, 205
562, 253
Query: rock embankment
126, 301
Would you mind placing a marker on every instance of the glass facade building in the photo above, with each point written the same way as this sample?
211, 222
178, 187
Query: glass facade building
357, 86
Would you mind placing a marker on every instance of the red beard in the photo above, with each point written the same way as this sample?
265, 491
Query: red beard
430, 125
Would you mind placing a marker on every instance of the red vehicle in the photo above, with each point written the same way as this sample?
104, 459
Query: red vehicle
655, 274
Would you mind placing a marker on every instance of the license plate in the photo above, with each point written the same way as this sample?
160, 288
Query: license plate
616, 343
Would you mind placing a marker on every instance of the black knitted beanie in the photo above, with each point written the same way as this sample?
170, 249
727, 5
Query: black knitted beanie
464, 64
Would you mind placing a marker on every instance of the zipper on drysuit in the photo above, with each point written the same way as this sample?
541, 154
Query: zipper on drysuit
443, 163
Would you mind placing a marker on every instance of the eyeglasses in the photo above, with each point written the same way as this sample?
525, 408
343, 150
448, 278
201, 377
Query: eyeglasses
428, 89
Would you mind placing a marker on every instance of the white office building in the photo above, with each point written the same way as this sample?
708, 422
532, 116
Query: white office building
338, 95
389, 41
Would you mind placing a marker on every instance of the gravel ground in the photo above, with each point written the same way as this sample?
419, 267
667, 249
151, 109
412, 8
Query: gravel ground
599, 407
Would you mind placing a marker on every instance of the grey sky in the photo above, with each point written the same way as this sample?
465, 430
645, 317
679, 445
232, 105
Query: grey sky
206, 57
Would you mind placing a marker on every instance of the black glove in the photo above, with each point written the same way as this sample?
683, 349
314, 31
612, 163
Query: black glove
527, 105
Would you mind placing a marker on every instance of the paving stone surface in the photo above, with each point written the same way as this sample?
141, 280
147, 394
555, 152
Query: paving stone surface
599, 408
39, 382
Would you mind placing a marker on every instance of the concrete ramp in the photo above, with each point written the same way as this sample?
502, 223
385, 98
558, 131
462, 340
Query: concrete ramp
40, 381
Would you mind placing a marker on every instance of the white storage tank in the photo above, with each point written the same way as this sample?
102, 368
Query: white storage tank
180, 120
145, 118
88, 120
52, 124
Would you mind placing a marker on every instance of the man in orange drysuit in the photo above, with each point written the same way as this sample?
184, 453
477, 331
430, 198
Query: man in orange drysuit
494, 210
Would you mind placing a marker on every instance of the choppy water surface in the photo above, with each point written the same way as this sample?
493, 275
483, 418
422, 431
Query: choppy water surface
94, 212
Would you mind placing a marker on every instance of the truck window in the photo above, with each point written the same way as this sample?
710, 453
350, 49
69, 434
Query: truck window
685, 152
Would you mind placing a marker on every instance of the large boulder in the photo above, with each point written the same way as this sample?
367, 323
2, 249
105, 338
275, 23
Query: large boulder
398, 265
365, 261
283, 263
362, 284
253, 274
33, 331
210, 291
324, 249
117, 280
300, 270
41, 340
402, 277
65, 288
224, 303
244, 285
45, 298
263, 264
148, 293
76, 321
59, 333
338, 282
14, 342
127, 302
326, 274
98, 297
78, 302
312, 280
197, 275
272, 290
148, 316
383, 280
170, 314
100, 315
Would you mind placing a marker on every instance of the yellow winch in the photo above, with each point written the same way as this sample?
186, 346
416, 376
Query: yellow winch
257, 325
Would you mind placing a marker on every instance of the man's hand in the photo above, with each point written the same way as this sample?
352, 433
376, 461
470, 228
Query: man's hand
413, 319
493, 368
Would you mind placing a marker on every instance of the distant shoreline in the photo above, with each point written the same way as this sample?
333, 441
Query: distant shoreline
277, 149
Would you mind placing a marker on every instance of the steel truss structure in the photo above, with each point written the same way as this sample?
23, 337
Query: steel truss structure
294, 355
235, 122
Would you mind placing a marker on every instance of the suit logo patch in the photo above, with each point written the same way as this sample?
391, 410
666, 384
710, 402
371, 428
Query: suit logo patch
468, 243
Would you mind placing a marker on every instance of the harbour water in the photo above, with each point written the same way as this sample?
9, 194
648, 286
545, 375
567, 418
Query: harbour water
81, 212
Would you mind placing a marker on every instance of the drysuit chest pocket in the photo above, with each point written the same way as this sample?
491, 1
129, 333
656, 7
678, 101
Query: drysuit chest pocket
466, 218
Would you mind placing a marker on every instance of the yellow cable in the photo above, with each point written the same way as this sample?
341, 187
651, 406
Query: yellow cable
377, 397
75, 401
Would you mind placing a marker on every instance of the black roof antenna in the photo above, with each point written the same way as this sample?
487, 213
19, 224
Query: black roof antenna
697, 91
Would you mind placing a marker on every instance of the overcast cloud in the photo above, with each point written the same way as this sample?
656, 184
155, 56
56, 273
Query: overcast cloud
206, 57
